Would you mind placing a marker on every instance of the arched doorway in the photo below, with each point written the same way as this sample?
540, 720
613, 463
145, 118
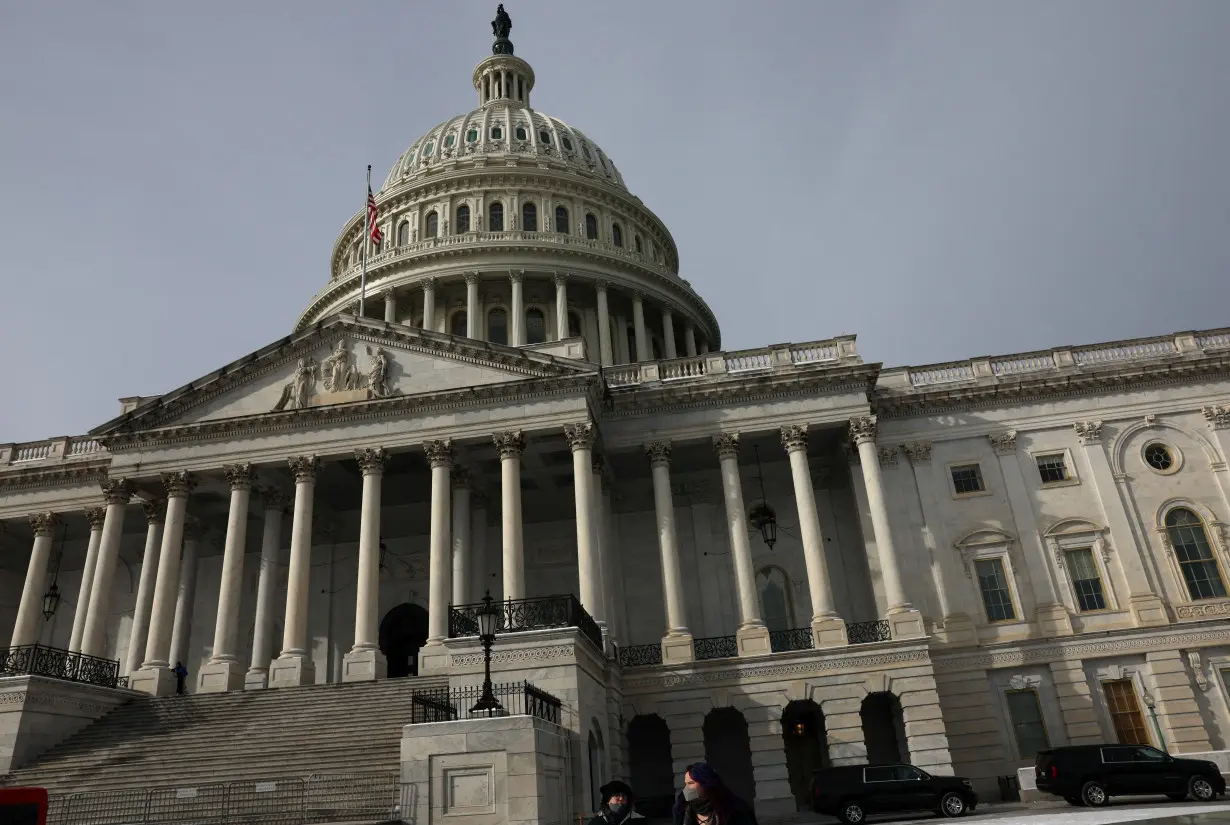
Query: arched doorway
729, 750
883, 729
597, 758
807, 747
403, 630
649, 762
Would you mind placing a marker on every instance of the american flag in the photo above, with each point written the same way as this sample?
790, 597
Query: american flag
372, 214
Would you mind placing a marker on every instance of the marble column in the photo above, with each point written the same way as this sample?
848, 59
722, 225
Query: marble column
434, 657
602, 546
473, 316
185, 601
581, 439
517, 321
365, 662
257, 677
605, 355
904, 620
668, 335
561, 307
480, 578
461, 551
689, 338
224, 672
752, 636
294, 666
677, 643
429, 304
643, 350
827, 627
510, 445
30, 610
95, 517
117, 492
155, 513
155, 675
390, 306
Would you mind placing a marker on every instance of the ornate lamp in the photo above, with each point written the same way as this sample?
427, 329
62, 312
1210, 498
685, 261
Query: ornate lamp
488, 621
51, 599
762, 516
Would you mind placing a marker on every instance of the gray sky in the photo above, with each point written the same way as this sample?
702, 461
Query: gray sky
945, 178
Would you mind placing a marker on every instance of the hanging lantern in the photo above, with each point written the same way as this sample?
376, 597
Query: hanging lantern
764, 519
51, 601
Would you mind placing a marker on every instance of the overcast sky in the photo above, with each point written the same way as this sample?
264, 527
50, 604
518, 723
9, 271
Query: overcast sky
945, 178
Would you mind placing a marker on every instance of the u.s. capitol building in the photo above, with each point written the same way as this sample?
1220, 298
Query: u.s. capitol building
780, 557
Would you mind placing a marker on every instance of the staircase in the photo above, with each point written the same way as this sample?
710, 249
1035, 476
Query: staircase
202, 739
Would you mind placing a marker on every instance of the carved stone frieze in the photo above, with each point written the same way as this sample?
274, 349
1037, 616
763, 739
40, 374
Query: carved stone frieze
338, 376
1218, 416
863, 429
510, 444
1201, 611
793, 670
888, 456
918, 452
1089, 432
371, 460
726, 445
1003, 443
1082, 649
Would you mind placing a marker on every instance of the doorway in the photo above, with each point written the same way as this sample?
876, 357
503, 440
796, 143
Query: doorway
402, 632
806, 745
884, 729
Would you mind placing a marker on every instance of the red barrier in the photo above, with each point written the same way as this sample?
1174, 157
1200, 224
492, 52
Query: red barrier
23, 806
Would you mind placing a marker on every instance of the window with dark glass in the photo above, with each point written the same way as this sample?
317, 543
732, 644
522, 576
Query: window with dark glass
403, 233
544, 137
497, 326
448, 141
1158, 457
585, 151
495, 217
535, 326
561, 220
472, 135
1086, 582
637, 241
1028, 729
427, 150
567, 143
463, 219
574, 325
1052, 468
497, 133
591, 227
433, 224
521, 133
457, 323
529, 217
967, 478
1191, 545
617, 234
993, 583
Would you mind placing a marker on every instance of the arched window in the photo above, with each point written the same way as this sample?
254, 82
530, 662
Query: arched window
574, 325
497, 325
403, 233
497, 133
567, 143
637, 240
463, 220
433, 224
561, 220
544, 137
775, 598
617, 234
495, 220
521, 133
472, 136
1195, 555
529, 217
535, 326
457, 323
591, 226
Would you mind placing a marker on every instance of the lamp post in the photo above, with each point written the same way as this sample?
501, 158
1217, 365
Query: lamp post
1151, 704
762, 516
488, 620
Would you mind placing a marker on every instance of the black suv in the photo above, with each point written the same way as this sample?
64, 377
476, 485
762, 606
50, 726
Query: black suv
1092, 774
853, 791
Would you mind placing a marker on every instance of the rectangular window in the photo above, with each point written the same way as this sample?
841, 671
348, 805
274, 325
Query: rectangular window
996, 597
967, 478
1086, 583
1027, 726
1125, 712
1052, 468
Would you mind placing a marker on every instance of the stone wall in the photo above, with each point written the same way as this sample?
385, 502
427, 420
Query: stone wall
36, 714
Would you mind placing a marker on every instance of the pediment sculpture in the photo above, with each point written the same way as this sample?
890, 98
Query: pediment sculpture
339, 380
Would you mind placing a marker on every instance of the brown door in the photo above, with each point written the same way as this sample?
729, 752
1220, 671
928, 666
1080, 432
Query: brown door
1125, 712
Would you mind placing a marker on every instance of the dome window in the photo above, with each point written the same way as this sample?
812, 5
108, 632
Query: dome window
567, 143
584, 151
637, 241
617, 234
535, 326
495, 217
544, 137
497, 325
522, 134
463, 220
561, 220
529, 217
472, 135
427, 150
449, 141
403, 233
409, 161
591, 227
497, 133
458, 323
433, 224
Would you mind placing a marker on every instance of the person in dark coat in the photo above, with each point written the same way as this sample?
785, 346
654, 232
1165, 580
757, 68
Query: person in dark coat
705, 800
181, 673
618, 805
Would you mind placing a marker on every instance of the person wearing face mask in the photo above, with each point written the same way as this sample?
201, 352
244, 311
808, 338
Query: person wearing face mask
705, 800
617, 805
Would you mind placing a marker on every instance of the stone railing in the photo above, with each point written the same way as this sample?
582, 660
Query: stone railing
1038, 364
764, 359
51, 450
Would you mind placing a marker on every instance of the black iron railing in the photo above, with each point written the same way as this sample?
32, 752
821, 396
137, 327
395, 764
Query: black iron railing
861, 633
527, 614
451, 704
716, 647
40, 660
637, 655
798, 638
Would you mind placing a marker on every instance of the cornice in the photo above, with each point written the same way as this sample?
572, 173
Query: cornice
83, 472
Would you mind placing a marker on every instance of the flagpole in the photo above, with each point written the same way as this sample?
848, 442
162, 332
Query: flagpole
367, 214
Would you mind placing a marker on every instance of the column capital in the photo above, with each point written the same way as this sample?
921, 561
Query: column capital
387, 292
1217, 416
439, 452
638, 296
863, 429
919, 452
560, 278
602, 284
794, 437
428, 283
371, 460
461, 478
273, 498
1004, 443
239, 476
304, 467
510, 443
659, 453
471, 278
194, 528
117, 490
726, 445
179, 484
44, 524
516, 276
96, 516
155, 510
580, 435
1089, 432
888, 456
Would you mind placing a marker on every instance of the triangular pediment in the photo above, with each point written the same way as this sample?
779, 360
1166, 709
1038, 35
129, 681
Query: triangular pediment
345, 361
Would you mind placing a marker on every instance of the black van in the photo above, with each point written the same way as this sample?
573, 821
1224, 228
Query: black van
1092, 774
850, 792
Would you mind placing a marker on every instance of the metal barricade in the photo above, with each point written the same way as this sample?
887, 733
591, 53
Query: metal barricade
106, 808
265, 802
353, 797
188, 805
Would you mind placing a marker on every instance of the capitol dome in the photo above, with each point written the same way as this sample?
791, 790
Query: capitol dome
510, 226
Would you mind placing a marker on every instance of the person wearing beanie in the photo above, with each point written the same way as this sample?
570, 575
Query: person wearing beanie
618, 804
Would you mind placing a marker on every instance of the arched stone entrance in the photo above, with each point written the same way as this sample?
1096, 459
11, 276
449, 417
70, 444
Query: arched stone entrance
651, 770
597, 759
807, 748
729, 750
403, 630
884, 729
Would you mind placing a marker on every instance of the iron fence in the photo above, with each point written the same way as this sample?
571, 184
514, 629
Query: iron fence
636, 655
799, 638
861, 633
451, 704
527, 614
40, 660
716, 647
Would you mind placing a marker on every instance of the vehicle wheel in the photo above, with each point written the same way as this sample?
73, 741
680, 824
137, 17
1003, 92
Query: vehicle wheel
1074, 800
851, 813
952, 804
1094, 794
1200, 789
